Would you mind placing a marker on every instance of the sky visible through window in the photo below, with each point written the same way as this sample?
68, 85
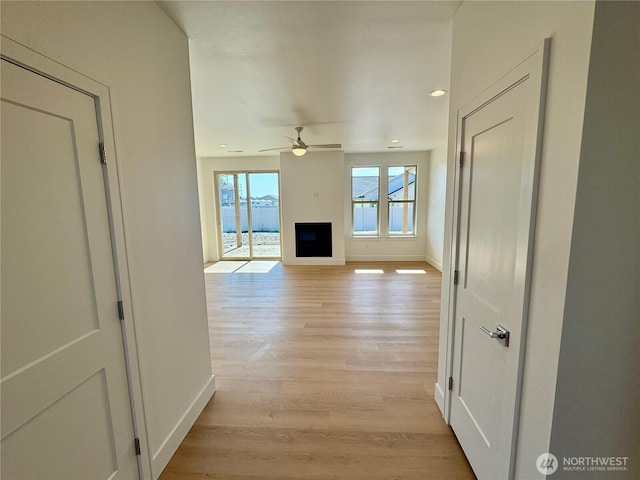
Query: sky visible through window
264, 184
393, 171
365, 171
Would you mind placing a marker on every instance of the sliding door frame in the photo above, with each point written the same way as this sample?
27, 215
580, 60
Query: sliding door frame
218, 206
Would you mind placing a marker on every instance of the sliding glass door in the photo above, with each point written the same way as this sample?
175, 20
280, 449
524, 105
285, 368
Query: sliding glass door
248, 207
265, 214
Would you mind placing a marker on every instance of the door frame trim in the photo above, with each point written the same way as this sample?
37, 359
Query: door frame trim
539, 59
34, 61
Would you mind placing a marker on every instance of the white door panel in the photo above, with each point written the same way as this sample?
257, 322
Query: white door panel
80, 419
498, 134
65, 399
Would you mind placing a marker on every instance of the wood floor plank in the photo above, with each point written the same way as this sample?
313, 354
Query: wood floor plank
322, 373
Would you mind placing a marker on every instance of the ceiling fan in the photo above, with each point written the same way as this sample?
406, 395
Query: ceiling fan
299, 148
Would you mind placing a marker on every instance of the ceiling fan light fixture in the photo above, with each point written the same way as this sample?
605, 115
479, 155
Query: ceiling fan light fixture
299, 151
299, 148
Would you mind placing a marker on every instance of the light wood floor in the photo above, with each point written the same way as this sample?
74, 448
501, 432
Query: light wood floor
322, 373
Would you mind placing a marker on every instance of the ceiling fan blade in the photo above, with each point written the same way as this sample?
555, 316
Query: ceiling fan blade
327, 145
291, 139
271, 149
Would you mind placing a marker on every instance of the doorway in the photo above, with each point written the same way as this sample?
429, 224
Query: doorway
248, 211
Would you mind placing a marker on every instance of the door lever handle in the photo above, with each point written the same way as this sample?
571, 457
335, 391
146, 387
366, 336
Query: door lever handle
501, 334
490, 333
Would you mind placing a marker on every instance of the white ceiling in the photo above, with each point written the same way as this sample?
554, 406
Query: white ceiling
352, 72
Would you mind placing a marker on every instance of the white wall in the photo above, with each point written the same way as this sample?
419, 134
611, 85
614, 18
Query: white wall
206, 168
312, 190
383, 247
142, 57
436, 194
437, 187
490, 38
597, 408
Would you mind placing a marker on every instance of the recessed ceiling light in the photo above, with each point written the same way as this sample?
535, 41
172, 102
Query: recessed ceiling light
438, 93
223, 145
395, 140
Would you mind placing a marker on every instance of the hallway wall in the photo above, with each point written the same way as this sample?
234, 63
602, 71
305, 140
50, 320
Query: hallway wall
489, 39
142, 56
599, 355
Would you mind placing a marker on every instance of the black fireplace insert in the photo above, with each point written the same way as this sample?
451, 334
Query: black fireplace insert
313, 240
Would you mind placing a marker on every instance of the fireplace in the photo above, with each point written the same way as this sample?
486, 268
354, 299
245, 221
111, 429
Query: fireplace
313, 240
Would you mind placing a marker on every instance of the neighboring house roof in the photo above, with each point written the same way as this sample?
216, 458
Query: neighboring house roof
397, 183
363, 187
269, 198
366, 187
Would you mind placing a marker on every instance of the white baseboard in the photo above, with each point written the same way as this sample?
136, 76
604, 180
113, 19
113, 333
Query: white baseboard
162, 456
435, 264
439, 396
385, 258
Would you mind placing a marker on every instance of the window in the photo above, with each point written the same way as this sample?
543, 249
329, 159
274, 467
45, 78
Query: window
401, 195
365, 199
368, 210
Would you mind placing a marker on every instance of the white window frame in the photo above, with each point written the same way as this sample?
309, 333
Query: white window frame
412, 202
365, 201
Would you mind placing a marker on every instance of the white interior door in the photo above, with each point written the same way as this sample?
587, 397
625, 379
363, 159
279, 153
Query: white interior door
65, 400
499, 136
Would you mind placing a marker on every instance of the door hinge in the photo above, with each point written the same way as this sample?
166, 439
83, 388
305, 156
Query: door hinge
455, 277
450, 383
120, 310
103, 153
461, 161
136, 443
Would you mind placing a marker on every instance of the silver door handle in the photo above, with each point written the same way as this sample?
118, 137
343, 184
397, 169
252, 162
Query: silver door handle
501, 334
